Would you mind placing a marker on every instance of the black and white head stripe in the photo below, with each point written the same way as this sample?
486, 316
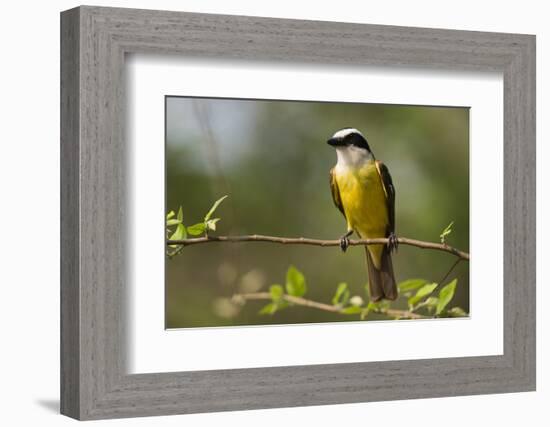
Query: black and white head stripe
349, 136
342, 133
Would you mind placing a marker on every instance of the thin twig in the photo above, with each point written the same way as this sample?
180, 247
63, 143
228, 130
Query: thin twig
449, 272
291, 299
317, 242
440, 283
322, 306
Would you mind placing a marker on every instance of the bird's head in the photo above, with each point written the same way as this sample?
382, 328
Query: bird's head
349, 137
351, 146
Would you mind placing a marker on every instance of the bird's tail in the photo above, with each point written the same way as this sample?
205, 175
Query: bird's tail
381, 281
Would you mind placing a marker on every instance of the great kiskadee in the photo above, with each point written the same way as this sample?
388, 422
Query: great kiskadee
363, 191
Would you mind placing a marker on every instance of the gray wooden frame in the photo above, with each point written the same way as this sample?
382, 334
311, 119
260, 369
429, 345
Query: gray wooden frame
94, 41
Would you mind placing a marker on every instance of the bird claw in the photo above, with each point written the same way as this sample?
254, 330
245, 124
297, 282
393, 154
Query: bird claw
393, 243
344, 243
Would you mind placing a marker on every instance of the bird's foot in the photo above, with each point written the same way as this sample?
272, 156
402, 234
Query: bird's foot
344, 241
393, 243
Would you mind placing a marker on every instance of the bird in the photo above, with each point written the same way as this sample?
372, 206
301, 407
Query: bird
363, 191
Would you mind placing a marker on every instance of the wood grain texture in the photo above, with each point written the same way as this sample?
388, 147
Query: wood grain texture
94, 269
70, 291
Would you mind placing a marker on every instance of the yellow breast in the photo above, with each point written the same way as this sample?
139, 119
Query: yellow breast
364, 202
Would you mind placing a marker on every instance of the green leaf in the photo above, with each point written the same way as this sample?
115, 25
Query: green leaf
295, 282
341, 296
170, 215
431, 302
273, 307
214, 207
276, 292
351, 310
411, 284
179, 234
282, 304
448, 230
270, 308
421, 293
196, 229
445, 296
171, 222
211, 224
180, 214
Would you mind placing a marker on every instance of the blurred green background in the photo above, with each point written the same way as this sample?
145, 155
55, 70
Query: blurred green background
272, 159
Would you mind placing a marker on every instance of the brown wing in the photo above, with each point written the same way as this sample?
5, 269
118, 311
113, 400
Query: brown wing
335, 192
389, 189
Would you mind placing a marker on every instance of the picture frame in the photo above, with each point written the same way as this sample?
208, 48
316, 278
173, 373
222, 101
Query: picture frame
94, 380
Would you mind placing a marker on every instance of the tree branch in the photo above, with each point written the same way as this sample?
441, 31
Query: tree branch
317, 242
321, 306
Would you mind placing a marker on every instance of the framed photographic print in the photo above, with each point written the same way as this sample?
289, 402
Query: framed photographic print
262, 213
224, 148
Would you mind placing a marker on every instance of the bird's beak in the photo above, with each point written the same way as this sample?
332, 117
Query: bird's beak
335, 142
